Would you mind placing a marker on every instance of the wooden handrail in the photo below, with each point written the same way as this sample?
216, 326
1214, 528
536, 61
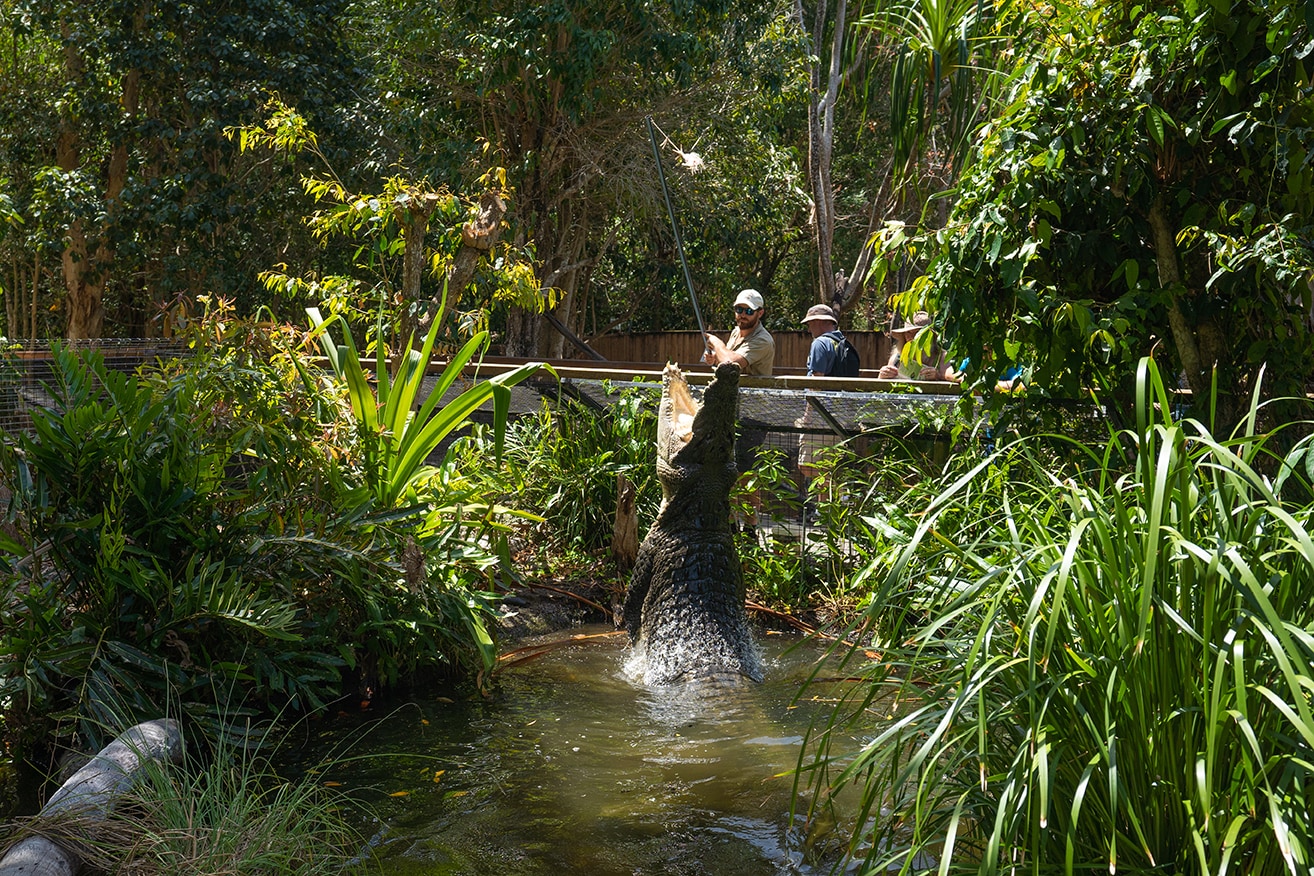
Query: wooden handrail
627, 372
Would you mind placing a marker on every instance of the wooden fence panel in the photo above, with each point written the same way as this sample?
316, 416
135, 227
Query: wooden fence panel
687, 347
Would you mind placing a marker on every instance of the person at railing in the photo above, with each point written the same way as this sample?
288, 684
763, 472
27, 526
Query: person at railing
750, 345
831, 354
1012, 378
752, 348
934, 366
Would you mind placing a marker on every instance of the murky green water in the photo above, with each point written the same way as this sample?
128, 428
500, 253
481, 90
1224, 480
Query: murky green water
572, 768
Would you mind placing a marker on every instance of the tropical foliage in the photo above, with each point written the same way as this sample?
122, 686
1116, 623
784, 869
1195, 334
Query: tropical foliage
412, 110
562, 464
1146, 180
909, 75
146, 568
112, 150
397, 440
231, 521
560, 90
1092, 655
1103, 670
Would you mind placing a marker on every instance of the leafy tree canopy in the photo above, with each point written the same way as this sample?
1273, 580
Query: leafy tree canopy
558, 92
129, 172
1147, 185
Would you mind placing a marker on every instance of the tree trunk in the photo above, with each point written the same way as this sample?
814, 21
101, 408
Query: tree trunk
413, 216
563, 242
85, 314
85, 273
523, 328
625, 526
850, 289
570, 265
1199, 346
32, 302
1170, 279
478, 237
12, 300
116, 182
821, 139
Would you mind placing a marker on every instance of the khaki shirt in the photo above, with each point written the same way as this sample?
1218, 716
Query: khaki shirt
758, 347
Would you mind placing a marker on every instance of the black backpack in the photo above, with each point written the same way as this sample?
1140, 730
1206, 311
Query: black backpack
846, 359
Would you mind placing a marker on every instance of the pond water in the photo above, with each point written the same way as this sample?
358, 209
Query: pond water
571, 767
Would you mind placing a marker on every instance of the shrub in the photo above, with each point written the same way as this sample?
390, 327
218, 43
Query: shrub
146, 569
226, 523
563, 461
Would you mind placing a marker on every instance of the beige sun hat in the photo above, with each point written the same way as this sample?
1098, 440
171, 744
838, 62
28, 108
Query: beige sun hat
820, 311
920, 320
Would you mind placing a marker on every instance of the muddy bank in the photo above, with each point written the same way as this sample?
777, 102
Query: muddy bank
545, 606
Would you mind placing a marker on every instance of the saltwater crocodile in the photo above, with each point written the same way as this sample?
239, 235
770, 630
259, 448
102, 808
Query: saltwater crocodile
685, 605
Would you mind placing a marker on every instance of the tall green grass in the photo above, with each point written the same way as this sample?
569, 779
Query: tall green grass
224, 810
1107, 671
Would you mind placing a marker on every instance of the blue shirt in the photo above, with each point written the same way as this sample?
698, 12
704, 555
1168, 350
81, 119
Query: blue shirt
823, 356
1012, 372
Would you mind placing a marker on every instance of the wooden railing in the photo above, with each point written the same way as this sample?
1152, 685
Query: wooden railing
687, 347
784, 378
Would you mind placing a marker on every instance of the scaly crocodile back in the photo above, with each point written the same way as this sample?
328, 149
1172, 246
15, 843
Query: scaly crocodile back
685, 605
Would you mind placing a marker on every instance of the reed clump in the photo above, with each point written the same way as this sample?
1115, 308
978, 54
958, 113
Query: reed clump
1101, 667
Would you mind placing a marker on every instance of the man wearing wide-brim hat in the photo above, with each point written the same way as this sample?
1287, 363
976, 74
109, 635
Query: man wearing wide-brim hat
826, 355
902, 332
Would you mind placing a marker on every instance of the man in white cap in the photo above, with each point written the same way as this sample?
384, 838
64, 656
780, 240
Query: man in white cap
750, 345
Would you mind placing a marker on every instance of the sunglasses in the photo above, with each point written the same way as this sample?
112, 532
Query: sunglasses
745, 311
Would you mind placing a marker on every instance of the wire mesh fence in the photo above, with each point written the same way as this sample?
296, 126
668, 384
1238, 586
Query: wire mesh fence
800, 425
26, 370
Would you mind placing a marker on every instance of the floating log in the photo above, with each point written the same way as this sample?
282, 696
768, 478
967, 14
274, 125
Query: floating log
91, 793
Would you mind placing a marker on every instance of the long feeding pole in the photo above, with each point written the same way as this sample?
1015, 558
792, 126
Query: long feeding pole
675, 226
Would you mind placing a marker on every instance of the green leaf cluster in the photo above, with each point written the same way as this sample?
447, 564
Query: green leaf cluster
396, 439
146, 558
1146, 180
229, 529
562, 464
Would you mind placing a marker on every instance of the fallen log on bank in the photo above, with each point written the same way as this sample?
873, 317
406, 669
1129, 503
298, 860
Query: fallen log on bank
90, 795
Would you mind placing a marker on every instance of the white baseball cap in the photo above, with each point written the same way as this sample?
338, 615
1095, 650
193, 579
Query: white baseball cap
750, 298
